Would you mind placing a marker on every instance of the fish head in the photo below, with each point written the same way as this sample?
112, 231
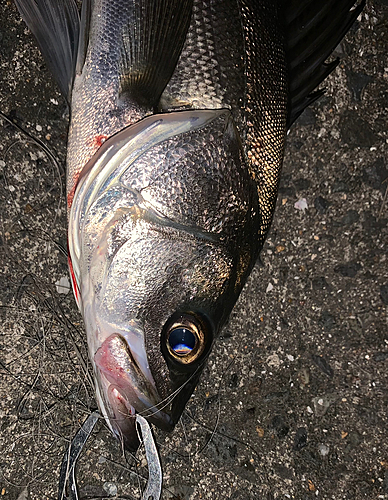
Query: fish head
163, 239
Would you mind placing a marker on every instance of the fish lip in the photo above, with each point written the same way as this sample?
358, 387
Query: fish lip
126, 391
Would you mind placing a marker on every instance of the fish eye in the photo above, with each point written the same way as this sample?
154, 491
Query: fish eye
182, 340
185, 339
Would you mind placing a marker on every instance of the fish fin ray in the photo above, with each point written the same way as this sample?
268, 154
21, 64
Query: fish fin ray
86, 10
313, 30
55, 25
152, 40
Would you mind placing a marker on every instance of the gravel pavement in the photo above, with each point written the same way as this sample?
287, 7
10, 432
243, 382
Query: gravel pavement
293, 402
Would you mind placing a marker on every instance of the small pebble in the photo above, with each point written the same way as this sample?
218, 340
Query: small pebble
327, 321
39, 128
110, 488
350, 218
304, 376
323, 365
280, 426
357, 83
63, 285
323, 450
380, 356
321, 204
322, 404
300, 440
348, 269
273, 360
301, 204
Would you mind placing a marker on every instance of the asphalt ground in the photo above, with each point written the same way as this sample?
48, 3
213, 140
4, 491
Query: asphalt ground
293, 402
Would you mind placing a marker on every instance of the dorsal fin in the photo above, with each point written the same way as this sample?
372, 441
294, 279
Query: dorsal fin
56, 27
312, 31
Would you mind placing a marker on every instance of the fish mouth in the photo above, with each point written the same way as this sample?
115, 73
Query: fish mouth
127, 390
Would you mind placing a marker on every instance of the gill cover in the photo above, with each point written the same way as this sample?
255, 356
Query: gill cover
117, 155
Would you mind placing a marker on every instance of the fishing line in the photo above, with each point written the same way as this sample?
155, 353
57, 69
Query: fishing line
45, 149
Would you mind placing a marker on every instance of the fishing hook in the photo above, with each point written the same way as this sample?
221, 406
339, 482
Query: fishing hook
67, 474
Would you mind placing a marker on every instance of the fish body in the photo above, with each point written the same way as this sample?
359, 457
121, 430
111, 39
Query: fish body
179, 112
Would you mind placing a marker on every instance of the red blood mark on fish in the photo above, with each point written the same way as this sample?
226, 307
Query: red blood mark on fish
73, 280
70, 195
100, 139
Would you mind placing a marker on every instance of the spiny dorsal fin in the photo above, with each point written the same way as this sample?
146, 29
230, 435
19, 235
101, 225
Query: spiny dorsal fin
56, 27
152, 43
312, 31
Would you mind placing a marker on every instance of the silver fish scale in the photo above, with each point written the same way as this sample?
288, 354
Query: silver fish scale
195, 180
142, 267
266, 103
240, 75
210, 72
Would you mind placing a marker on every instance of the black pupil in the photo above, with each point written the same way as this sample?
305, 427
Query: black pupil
182, 341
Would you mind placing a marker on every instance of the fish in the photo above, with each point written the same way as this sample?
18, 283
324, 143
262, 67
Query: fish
179, 111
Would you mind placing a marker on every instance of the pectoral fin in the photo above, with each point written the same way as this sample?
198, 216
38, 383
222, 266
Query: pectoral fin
56, 27
152, 42
313, 30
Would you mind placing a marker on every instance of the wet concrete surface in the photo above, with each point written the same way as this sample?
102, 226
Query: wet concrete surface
293, 402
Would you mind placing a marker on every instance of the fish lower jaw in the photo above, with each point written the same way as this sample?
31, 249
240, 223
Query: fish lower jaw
124, 390
120, 414
126, 410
